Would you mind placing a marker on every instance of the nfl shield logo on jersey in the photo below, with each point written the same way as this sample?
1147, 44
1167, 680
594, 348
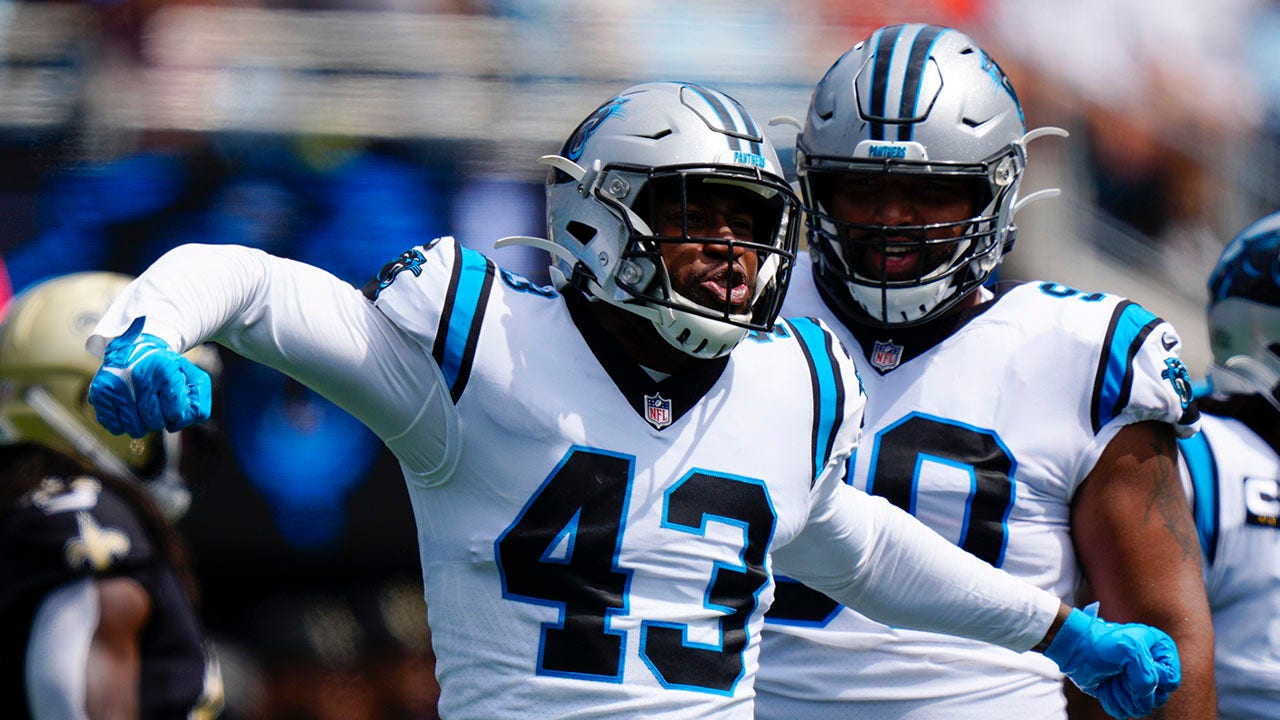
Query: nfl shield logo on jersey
657, 410
885, 355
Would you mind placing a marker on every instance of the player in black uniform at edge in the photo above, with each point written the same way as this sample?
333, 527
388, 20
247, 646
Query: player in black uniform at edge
95, 590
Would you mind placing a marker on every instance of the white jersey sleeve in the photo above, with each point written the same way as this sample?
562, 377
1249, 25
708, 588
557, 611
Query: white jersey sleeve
1139, 377
877, 559
306, 323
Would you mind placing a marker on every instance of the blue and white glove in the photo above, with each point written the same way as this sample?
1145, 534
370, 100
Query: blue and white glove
144, 386
1130, 668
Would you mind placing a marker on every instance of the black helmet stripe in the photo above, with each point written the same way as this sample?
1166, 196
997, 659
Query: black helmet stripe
752, 129
885, 41
732, 121
920, 49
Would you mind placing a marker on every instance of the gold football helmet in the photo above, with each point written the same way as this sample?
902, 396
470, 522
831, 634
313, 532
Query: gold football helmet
45, 372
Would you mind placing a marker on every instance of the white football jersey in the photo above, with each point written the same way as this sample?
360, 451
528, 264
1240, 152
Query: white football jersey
983, 432
595, 543
1236, 477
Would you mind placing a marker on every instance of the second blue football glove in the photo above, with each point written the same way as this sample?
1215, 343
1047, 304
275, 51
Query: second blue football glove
1130, 668
144, 386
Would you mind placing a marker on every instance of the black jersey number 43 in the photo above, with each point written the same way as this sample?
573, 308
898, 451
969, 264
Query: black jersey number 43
562, 552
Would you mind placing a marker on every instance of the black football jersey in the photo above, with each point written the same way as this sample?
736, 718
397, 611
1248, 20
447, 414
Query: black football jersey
66, 530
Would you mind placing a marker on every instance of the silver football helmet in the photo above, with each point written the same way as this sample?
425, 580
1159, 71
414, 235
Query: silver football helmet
917, 99
672, 139
1244, 313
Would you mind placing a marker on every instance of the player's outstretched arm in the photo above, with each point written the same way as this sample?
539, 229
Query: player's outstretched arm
144, 386
879, 560
287, 315
1130, 668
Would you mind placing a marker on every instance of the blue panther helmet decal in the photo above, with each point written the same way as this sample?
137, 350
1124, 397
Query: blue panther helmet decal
577, 141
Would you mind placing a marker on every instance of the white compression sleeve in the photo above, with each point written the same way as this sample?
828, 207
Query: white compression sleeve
877, 559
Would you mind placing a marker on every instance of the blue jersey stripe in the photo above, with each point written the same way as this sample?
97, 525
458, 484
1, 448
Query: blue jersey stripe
1130, 325
828, 389
462, 317
1204, 483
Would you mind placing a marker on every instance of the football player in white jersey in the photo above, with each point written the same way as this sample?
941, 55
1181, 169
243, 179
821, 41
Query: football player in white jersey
1234, 466
602, 487
1031, 424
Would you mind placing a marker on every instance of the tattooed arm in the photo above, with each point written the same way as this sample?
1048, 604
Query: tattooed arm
1136, 543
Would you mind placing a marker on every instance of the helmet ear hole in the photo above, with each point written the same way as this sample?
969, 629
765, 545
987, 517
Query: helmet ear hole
581, 232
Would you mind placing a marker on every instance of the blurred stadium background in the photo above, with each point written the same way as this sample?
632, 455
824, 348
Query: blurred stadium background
342, 132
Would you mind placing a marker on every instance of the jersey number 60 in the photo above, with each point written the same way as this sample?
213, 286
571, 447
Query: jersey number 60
899, 452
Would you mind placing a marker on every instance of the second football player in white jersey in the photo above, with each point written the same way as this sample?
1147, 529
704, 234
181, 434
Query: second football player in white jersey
1234, 465
1031, 425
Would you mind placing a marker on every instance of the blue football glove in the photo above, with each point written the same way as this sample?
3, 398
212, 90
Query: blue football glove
1130, 668
144, 386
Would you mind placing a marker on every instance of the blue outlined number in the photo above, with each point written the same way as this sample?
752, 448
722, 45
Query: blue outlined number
562, 551
897, 457
1062, 291
900, 451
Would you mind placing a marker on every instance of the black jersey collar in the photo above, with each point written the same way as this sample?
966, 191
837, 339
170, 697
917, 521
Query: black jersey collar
660, 403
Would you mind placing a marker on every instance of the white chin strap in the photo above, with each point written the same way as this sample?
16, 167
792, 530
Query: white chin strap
704, 337
557, 252
905, 304
908, 304
76, 435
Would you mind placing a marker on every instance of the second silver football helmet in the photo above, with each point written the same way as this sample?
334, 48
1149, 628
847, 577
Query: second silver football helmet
917, 99
674, 136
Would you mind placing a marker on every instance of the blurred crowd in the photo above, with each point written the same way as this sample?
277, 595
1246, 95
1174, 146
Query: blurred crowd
303, 540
